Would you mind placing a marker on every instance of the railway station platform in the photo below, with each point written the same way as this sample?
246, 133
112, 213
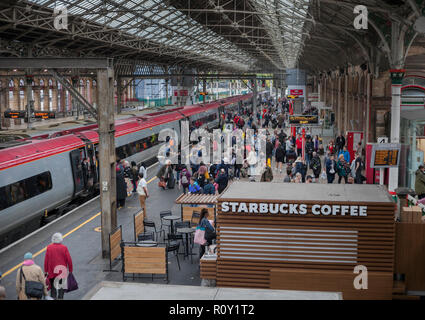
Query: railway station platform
107, 290
80, 229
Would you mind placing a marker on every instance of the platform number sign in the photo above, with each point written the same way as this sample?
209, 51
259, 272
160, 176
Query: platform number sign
382, 139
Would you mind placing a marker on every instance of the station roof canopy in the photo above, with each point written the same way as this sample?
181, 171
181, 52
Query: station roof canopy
231, 36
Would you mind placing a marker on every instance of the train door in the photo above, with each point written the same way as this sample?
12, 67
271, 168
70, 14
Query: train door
92, 167
77, 170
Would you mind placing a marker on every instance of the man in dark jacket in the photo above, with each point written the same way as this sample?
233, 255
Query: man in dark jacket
340, 142
121, 187
420, 182
316, 165
269, 150
222, 180
309, 148
209, 187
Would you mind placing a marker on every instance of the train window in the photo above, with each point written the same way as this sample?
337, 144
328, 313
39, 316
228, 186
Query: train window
24, 189
137, 146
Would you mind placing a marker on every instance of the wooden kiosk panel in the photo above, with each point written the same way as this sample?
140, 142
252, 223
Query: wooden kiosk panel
288, 228
410, 254
379, 283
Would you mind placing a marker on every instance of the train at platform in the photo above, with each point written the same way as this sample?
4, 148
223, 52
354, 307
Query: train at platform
42, 178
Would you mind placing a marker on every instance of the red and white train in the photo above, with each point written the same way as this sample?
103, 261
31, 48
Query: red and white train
45, 175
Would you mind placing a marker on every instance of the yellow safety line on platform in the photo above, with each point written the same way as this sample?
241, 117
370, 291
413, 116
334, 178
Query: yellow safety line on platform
70, 232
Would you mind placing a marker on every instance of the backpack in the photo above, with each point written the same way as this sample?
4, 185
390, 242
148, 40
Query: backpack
184, 179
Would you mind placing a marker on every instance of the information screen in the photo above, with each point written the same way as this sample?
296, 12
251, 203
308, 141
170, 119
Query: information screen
300, 119
385, 155
14, 114
44, 115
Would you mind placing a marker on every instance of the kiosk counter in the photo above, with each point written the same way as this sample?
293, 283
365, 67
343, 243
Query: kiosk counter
306, 237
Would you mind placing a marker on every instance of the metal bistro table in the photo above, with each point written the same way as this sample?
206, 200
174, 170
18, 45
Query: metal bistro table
147, 243
187, 231
171, 218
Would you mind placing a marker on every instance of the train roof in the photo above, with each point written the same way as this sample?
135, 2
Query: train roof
37, 149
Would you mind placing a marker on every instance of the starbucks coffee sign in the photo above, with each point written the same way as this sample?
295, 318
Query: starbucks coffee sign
294, 209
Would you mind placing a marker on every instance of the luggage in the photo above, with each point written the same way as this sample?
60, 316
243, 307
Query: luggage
162, 184
171, 182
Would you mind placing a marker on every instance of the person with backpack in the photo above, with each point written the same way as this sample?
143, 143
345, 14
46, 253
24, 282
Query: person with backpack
209, 187
185, 179
30, 280
57, 254
316, 165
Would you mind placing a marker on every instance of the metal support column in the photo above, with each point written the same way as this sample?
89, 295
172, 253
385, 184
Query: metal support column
204, 89
367, 128
107, 158
119, 95
345, 104
255, 96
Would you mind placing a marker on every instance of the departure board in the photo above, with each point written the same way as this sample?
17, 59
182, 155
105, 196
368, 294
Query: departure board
385, 155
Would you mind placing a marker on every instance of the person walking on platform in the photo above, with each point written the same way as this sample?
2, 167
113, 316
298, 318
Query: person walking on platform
222, 180
165, 174
121, 187
209, 187
279, 156
142, 169
340, 143
330, 168
420, 182
299, 143
204, 224
30, 272
343, 169
185, 178
134, 175
142, 190
57, 255
346, 154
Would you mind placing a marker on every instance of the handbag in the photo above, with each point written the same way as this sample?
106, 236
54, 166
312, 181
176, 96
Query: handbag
33, 289
71, 283
199, 237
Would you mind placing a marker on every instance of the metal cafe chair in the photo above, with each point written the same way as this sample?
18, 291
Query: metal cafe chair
174, 238
174, 248
163, 214
151, 224
195, 215
146, 236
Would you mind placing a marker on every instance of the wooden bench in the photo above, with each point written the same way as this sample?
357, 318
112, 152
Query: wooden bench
153, 260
